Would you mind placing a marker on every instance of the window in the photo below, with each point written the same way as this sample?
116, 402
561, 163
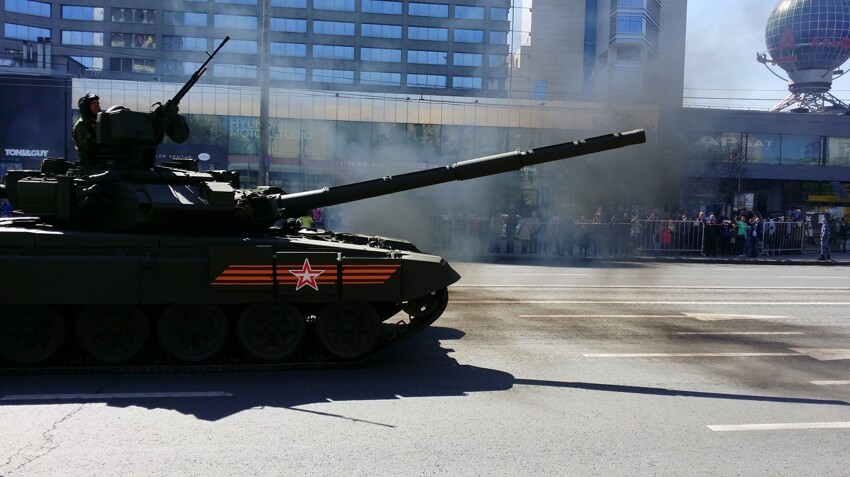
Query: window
498, 38
221, 70
88, 38
470, 13
333, 76
333, 28
540, 87
131, 40
132, 65
426, 81
24, 32
469, 36
235, 21
380, 78
427, 57
427, 34
28, 7
341, 5
181, 68
290, 25
380, 6
184, 19
187, 43
838, 151
429, 10
287, 73
466, 82
334, 52
630, 4
380, 54
290, 3
238, 2
800, 150
499, 14
467, 59
90, 62
497, 60
289, 49
70, 12
628, 24
380, 31
133, 15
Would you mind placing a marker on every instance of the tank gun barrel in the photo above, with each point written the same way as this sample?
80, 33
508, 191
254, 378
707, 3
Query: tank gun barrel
459, 171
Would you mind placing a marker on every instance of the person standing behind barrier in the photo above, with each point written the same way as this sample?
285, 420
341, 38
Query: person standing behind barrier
496, 223
510, 229
756, 234
741, 240
825, 235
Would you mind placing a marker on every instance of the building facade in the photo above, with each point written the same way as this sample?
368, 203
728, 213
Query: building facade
453, 47
604, 50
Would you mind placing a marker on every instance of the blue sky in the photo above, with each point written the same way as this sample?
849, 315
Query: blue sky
723, 37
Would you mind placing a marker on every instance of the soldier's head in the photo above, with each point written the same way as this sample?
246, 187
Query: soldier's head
89, 105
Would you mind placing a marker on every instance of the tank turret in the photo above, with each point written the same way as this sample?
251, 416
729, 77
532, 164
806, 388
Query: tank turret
130, 197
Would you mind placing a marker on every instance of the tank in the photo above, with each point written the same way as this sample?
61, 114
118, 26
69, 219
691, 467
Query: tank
129, 265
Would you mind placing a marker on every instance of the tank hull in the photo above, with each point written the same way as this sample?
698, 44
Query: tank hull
217, 285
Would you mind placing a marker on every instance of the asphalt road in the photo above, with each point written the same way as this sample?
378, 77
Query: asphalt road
597, 369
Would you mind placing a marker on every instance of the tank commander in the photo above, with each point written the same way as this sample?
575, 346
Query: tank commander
84, 133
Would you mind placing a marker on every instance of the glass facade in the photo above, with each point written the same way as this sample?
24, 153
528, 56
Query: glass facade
305, 37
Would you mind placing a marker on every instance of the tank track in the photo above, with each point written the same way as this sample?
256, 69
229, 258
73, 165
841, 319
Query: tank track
233, 358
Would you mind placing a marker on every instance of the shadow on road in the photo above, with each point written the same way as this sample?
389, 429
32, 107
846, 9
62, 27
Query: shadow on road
420, 368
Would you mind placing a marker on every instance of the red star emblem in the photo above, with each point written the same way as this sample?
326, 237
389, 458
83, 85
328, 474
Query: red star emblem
306, 276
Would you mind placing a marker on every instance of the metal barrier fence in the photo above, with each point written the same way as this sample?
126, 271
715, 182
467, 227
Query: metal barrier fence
783, 237
644, 237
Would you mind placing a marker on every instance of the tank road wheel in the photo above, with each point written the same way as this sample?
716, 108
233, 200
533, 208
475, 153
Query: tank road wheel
112, 333
30, 334
429, 306
348, 330
270, 331
193, 333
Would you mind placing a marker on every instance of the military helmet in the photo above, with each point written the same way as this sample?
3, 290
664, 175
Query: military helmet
83, 102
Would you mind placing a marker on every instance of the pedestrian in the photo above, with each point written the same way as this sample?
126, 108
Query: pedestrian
511, 222
825, 235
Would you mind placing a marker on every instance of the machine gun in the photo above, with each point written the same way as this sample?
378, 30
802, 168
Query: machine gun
129, 138
164, 114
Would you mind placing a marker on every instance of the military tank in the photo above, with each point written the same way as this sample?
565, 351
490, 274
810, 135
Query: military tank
129, 265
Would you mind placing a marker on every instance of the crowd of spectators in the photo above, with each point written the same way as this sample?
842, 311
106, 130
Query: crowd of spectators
623, 231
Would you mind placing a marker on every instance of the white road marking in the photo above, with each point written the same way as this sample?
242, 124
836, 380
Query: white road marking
744, 333
687, 355
731, 316
655, 302
780, 426
100, 396
830, 383
643, 287
822, 354
551, 274
602, 316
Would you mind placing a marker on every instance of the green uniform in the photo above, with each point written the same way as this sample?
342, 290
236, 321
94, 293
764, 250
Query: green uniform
85, 132
85, 140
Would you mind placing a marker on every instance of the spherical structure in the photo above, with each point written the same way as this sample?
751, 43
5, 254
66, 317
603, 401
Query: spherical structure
809, 39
